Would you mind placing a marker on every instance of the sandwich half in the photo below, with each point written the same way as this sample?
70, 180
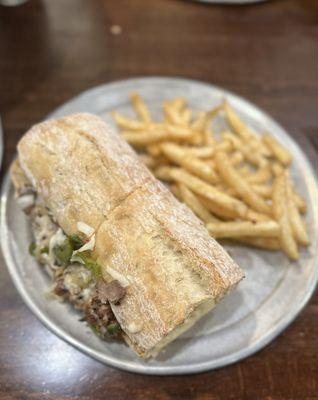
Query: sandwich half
118, 245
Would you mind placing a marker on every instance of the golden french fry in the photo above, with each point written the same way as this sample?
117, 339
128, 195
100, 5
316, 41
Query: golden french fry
263, 190
179, 133
230, 191
163, 173
236, 123
260, 242
252, 156
200, 152
128, 123
236, 181
197, 185
199, 123
140, 108
154, 162
154, 149
178, 103
217, 210
204, 118
257, 145
192, 164
227, 135
243, 229
277, 169
167, 133
208, 136
297, 224
236, 158
203, 125
211, 163
210, 114
186, 116
224, 214
300, 202
280, 153
192, 201
225, 146
287, 241
245, 171
172, 113
254, 216
261, 176
148, 160
255, 158
176, 191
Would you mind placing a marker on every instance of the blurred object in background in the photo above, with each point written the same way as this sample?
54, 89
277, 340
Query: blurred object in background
11, 3
231, 1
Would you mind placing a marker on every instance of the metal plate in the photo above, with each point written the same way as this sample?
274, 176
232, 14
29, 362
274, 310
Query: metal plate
270, 297
1, 142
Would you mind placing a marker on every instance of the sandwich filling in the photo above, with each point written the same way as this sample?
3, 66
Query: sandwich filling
75, 273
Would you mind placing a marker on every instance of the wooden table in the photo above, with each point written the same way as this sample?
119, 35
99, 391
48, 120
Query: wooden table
53, 50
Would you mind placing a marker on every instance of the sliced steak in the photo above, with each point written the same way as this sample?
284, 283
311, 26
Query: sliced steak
112, 291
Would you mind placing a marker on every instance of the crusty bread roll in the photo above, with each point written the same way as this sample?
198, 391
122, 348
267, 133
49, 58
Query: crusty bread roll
174, 271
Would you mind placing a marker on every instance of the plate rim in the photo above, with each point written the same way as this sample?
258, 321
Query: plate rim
132, 366
1, 141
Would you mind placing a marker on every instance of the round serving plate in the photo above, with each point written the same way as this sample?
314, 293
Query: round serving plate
270, 297
1, 142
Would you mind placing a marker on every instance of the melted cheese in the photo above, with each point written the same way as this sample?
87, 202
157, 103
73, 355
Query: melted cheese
201, 310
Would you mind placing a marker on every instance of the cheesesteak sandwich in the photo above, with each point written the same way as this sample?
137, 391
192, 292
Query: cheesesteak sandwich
118, 245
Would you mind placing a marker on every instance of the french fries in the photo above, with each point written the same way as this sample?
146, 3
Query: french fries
236, 123
154, 150
172, 113
175, 189
301, 204
263, 191
241, 186
148, 160
297, 224
280, 153
236, 182
192, 201
281, 213
128, 123
204, 189
144, 138
243, 229
261, 176
140, 108
186, 116
267, 243
200, 152
181, 157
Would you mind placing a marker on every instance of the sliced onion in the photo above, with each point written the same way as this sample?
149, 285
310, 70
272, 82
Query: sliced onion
86, 229
77, 259
87, 246
57, 239
119, 277
25, 201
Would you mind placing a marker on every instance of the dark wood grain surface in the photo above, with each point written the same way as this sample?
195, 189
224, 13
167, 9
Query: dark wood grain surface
52, 50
